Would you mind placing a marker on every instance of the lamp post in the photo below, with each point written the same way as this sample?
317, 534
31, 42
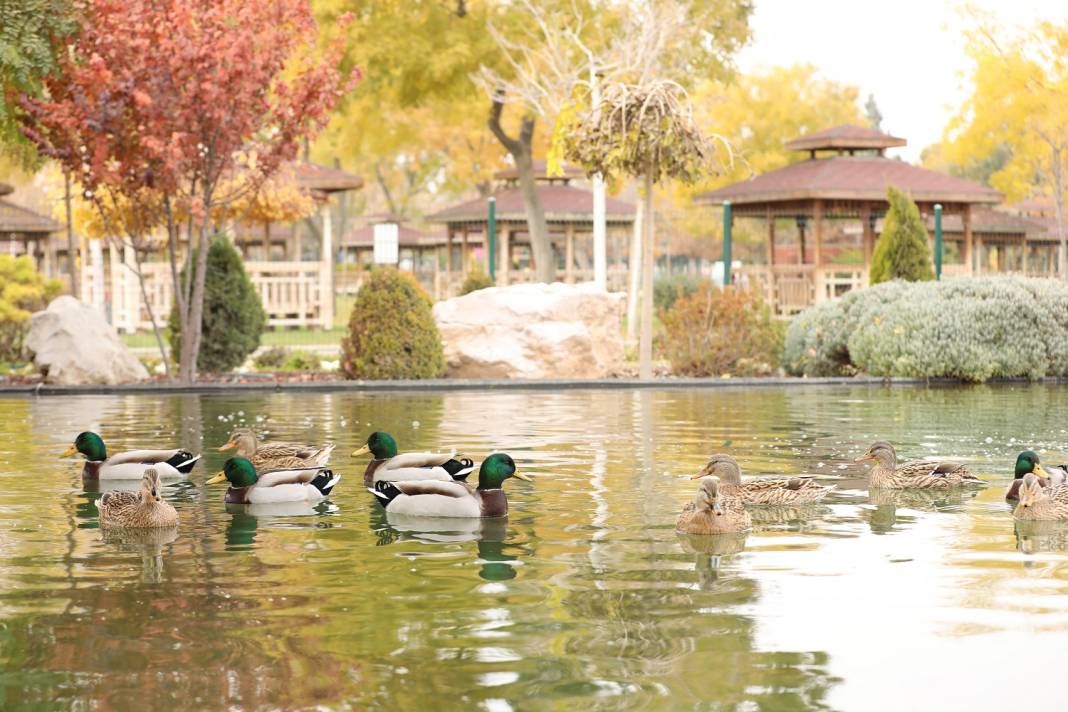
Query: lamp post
938, 241
726, 242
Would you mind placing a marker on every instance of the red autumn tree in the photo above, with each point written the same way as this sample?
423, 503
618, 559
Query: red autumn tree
188, 103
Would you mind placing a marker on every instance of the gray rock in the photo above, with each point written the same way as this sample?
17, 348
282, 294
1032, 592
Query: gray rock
73, 344
532, 331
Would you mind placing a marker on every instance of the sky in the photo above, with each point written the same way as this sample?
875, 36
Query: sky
908, 53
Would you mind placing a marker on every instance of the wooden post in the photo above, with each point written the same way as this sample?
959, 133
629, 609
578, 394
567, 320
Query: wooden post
869, 235
817, 254
463, 251
770, 217
448, 252
966, 221
326, 274
569, 253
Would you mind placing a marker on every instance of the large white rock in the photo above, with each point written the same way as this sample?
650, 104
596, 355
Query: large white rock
533, 331
73, 344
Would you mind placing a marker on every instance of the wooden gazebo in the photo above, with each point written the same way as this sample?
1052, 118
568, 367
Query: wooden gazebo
568, 212
828, 206
22, 231
418, 252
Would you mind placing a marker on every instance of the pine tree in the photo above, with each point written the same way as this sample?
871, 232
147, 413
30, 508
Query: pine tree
233, 313
902, 251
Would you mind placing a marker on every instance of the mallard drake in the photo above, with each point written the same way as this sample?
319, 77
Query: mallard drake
888, 474
128, 465
1041, 503
276, 456
294, 485
713, 511
1028, 462
388, 466
764, 490
438, 498
138, 510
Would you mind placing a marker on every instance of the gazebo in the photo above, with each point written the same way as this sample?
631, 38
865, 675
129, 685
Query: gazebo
828, 206
418, 252
22, 231
568, 212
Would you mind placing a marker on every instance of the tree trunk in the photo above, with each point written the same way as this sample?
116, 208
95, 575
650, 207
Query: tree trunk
645, 343
634, 266
521, 150
1058, 202
72, 260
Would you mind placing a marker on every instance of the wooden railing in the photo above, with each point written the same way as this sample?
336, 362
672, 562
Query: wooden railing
793, 288
291, 293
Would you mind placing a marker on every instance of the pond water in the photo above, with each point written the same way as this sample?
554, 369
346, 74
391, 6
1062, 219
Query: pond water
584, 598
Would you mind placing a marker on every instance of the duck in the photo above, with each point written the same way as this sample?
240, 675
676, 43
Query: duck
387, 465
766, 490
1049, 503
144, 509
1027, 462
276, 456
440, 498
247, 486
888, 474
128, 465
713, 511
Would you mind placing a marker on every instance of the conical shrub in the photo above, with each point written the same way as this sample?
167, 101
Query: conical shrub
902, 251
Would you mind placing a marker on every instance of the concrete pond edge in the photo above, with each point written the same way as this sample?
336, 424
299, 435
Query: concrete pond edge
456, 384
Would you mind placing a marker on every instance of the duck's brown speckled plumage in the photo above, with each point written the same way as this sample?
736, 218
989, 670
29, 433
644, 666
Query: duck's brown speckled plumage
268, 457
776, 491
1041, 503
888, 474
713, 511
144, 509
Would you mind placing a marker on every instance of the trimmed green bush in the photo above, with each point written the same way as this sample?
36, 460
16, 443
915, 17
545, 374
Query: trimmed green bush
668, 289
233, 317
302, 361
476, 279
392, 334
971, 329
271, 358
901, 251
715, 332
23, 291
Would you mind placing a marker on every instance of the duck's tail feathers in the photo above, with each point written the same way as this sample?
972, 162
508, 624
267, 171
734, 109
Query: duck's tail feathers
183, 461
460, 468
323, 457
384, 492
325, 481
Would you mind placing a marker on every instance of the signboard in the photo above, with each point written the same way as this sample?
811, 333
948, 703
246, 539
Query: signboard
386, 240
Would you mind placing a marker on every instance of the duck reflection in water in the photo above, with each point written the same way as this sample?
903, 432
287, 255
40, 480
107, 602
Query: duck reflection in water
489, 534
709, 551
246, 518
884, 517
147, 542
1040, 537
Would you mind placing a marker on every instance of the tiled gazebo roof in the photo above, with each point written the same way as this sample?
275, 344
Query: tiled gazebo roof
17, 220
562, 203
853, 178
845, 137
406, 237
312, 176
991, 222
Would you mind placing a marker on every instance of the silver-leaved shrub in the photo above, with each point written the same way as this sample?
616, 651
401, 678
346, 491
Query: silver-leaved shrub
973, 329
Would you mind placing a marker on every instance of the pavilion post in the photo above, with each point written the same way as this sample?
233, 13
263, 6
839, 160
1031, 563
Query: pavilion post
817, 255
868, 230
448, 252
966, 221
463, 251
326, 273
569, 253
938, 241
727, 224
491, 238
770, 217
506, 254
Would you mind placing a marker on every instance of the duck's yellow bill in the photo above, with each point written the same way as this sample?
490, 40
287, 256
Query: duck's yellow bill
521, 476
230, 445
69, 451
217, 478
1040, 472
362, 451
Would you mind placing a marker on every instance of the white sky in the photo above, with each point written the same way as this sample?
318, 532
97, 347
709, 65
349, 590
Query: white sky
909, 53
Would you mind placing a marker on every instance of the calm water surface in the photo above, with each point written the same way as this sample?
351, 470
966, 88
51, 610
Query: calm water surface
584, 599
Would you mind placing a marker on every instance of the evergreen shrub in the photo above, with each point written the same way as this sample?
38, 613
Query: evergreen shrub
476, 279
23, 291
902, 251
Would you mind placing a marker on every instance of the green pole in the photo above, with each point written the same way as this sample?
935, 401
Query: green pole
492, 239
938, 241
726, 242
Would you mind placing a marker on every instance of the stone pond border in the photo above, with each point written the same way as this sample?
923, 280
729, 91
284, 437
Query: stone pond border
456, 384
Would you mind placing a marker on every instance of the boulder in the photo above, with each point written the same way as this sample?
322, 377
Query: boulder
532, 331
73, 344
